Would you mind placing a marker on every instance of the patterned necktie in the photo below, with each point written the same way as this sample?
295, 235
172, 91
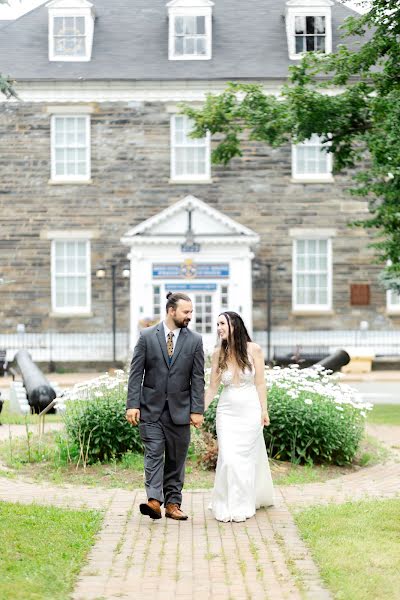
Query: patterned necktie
170, 344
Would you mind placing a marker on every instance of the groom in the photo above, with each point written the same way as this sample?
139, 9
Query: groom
166, 396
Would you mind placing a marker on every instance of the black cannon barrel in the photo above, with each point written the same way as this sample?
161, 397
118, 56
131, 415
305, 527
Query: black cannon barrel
335, 361
38, 389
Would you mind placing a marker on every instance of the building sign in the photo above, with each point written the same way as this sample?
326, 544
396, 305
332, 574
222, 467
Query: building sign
190, 270
191, 287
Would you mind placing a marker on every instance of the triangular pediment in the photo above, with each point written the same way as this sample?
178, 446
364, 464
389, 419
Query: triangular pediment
173, 222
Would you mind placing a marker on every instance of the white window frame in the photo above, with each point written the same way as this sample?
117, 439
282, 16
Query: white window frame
309, 8
70, 310
391, 306
312, 307
70, 178
312, 177
72, 8
187, 177
188, 8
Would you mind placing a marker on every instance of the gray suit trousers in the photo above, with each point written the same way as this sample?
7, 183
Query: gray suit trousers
166, 445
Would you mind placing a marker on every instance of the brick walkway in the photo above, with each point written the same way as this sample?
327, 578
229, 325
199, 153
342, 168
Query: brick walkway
202, 559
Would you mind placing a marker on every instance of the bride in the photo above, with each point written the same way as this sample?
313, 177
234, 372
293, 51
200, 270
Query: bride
243, 479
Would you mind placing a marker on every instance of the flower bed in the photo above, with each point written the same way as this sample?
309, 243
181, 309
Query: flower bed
313, 417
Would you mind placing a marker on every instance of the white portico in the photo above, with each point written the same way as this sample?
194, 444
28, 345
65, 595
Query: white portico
193, 248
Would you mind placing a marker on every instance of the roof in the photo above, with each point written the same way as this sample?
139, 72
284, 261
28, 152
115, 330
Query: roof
131, 43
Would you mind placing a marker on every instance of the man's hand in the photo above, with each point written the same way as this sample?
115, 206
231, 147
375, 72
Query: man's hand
196, 420
133, 416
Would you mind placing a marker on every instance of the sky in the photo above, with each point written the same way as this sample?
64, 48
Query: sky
16, 8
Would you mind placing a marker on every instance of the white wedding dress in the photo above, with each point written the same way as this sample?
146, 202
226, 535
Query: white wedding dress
243, 480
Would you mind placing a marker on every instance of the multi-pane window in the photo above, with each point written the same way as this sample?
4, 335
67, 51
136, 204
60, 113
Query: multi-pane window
70, 147
71, 276
203, 313
393, 301
312, 274
190, 158
224, 297
309, 33
190, 38
156, 301
310, 159
69, 36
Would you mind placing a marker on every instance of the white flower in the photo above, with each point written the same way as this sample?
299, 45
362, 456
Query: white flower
339, 407
308, 401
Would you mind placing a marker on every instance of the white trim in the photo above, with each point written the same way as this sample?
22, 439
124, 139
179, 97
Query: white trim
391, 307
75, 8
245, 234
70, 178
70, 234
312, 308
68, 310
310, 8
184, 178
312, 177
129, 91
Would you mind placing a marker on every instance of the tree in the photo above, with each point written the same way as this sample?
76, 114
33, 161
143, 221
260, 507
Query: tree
361, 120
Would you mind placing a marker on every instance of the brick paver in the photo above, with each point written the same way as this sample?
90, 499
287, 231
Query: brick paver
201, 559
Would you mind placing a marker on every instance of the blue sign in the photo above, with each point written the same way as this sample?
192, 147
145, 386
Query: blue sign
191, 287
190, 270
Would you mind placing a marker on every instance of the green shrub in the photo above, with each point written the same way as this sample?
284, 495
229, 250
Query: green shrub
313, 418
95, 421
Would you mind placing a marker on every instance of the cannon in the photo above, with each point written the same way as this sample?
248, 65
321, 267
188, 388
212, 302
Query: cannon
39, 391
334, 362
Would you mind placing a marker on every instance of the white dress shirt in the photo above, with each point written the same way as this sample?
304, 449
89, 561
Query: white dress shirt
176, 333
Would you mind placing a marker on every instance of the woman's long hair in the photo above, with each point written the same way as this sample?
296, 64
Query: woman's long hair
236, 343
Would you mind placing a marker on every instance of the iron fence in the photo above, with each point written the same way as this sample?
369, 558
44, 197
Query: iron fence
377, 343
52, 346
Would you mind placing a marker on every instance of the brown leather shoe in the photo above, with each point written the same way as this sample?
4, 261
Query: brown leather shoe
151, 509
173, 511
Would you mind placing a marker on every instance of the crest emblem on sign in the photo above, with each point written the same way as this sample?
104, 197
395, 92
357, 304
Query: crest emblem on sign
188, 269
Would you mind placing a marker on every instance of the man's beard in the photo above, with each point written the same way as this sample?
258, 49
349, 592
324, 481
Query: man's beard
181, 323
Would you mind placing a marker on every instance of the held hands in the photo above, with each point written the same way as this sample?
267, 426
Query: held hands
265, 418
133, 416
196, 420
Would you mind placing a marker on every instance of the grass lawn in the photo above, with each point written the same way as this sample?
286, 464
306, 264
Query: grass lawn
9, 418
357, 547
43, 549
385, 414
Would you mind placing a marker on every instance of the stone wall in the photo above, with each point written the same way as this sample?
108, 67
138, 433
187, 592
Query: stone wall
130, 183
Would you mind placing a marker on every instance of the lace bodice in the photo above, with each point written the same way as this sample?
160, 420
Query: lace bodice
240, 378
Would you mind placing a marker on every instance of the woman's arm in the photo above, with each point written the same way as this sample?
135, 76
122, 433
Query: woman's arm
258, 358
215, 380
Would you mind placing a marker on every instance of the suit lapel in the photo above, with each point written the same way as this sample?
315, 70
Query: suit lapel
163, 343
179, 344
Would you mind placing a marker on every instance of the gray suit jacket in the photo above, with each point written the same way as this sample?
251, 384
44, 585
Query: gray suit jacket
153, 381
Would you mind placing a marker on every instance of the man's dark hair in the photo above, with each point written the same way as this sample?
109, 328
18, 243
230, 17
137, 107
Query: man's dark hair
173, 299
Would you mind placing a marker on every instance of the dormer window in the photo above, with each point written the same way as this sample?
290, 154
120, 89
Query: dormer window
189, 29
71, 24
308, 27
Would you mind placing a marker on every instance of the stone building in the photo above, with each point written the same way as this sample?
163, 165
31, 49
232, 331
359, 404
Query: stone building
100, 180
